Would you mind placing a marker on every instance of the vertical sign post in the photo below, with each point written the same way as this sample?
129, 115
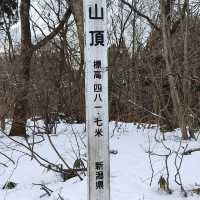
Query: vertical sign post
96, 91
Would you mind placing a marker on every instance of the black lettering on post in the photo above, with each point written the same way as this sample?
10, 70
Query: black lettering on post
97, 38
97, 64
98, 121
99, 132
96, 13
98, 96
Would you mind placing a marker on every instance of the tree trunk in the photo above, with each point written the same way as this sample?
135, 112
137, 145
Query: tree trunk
187, 73
177, 105
21, 101
77, 9
27, 48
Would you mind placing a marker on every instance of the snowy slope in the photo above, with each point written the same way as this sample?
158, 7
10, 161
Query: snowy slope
130, 169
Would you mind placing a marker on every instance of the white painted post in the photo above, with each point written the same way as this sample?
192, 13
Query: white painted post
96, 92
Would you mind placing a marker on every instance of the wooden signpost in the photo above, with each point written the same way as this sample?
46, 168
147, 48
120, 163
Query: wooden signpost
96, 92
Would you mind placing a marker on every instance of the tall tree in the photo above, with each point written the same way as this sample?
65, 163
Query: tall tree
27, 49
77, 10
179, 105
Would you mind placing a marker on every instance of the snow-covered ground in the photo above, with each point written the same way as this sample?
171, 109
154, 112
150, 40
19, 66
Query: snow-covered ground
130, 167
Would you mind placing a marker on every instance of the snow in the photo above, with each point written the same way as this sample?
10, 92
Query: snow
130, 168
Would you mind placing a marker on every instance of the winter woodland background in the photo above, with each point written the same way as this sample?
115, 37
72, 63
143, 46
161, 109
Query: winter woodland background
154, 99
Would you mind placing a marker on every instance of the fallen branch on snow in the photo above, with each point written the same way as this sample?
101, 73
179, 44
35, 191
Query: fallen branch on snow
188, 152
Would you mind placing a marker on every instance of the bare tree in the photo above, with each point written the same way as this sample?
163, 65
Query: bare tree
27, 50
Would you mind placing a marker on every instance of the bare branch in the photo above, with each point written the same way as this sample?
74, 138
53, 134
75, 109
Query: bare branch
55, 31
140, 14
188, 152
